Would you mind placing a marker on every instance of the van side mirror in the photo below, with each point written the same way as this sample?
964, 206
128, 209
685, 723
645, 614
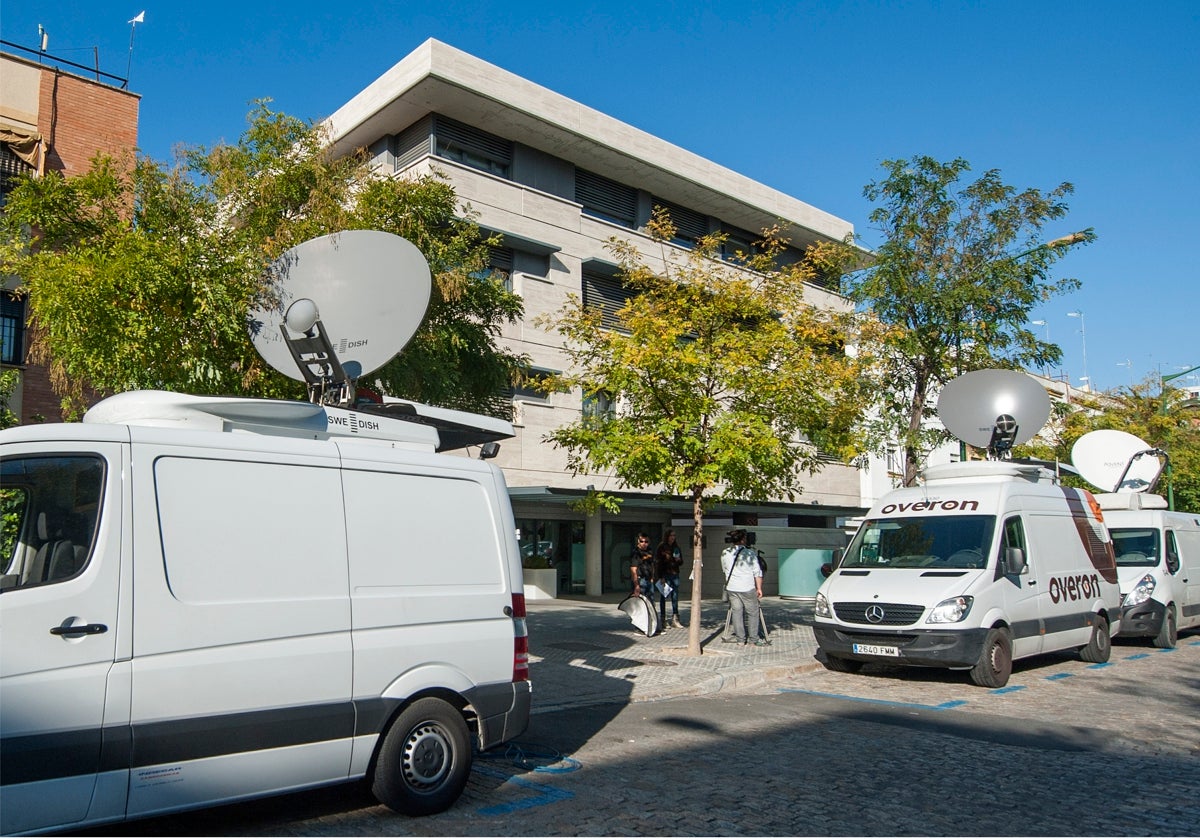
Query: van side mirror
826, 569
1014, 561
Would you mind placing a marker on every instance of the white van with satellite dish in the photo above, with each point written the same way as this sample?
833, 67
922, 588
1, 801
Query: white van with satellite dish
209, 599
1158, 550
984, 563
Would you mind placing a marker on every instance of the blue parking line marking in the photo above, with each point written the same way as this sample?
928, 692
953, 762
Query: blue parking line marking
1008, 689
1099, 665
949, 704
1059, 676
1165, 650
547, 793
1138, 656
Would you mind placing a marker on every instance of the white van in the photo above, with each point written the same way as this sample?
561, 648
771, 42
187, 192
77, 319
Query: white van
987, 562
1158, 565
212, 599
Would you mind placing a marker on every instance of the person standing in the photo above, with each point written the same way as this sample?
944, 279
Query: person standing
743, 582
668, 560
641, 568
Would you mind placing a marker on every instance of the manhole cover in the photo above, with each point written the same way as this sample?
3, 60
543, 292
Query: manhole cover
574, 646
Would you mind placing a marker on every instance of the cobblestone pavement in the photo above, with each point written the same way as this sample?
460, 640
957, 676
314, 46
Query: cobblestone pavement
764, 741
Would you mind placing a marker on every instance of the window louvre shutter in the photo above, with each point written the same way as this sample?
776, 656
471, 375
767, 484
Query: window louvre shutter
607, 293
606, 198
452, 133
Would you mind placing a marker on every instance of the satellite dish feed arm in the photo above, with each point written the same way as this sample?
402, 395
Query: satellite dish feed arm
1004, 436
327, 381
1158, 453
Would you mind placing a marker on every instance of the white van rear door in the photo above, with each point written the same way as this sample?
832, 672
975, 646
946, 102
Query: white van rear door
58, 630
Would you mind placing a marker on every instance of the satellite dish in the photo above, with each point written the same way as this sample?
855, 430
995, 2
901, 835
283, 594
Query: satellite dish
365, 290
993, 409
1116, 461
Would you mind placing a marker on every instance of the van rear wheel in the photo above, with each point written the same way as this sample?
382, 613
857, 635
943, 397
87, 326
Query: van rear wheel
425, 759
1099, 647
1168, 634
995, 660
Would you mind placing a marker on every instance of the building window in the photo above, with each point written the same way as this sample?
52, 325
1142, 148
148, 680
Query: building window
607, 293
500, 265
472, 147
606, 199
737, 241
689, 225
597, 407
12, 329
10, 167
534, 386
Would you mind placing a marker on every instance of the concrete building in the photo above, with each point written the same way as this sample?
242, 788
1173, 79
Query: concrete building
557, 179
55, 115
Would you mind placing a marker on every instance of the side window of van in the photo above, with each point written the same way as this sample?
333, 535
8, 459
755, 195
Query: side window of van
1172, 553
49, 508
1013, 550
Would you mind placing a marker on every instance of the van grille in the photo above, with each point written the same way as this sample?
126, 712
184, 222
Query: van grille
894, 615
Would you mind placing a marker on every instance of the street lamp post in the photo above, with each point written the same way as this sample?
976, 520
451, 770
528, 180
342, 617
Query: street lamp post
1043, 323
1162, 409
1083, 336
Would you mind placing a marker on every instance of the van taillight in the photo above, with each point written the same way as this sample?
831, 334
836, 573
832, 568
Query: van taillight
520, 640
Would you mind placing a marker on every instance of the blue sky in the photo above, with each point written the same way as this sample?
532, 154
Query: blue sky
807, 97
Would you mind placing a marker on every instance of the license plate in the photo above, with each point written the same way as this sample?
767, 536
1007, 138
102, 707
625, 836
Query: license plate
877, 650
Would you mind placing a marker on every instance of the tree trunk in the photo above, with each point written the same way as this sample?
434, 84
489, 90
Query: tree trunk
916, 415
697, 570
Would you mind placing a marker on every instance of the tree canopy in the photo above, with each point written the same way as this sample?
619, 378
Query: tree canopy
141, 275
1139, 410
720, 381
959, 271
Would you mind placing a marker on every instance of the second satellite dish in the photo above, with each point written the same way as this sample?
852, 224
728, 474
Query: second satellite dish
1116, 461
989, 406
369, 289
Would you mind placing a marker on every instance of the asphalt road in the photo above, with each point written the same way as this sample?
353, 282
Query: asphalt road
1065, 749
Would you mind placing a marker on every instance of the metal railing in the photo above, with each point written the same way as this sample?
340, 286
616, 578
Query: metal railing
47, 58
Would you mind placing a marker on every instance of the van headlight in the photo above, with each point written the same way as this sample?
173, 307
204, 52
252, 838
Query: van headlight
1140, 593
950, 610
821, 607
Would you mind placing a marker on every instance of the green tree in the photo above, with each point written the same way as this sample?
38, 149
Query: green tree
726, 384
9, 379
1139, 410
141, 275
950, 289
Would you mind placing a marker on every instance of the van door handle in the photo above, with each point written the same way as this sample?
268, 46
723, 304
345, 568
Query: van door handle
79, 629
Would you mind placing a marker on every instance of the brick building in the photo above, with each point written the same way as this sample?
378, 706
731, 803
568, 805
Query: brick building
54, 116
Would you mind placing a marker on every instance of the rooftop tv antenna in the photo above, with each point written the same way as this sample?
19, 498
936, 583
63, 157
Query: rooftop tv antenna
1118, 462
340, 307
994, 410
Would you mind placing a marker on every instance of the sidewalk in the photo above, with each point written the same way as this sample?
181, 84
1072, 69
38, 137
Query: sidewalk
584, 651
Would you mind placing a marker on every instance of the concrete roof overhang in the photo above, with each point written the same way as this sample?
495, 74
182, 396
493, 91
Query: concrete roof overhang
439, 78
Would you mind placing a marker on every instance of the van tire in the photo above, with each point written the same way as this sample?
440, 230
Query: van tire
842, 666
1168, 634
1099, 647
995, 660
425, 759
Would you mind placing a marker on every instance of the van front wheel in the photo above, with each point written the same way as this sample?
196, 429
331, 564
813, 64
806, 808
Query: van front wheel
995, 660
1099, 647
425, 759
1168, 634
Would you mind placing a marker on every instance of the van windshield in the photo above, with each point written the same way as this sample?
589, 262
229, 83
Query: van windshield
1135, 546
941, 542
